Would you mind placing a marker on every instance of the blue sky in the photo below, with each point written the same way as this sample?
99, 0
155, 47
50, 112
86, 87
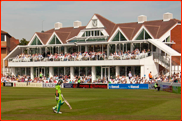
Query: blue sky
23, 19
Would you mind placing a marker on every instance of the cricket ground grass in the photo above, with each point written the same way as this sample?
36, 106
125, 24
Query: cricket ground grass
89, 104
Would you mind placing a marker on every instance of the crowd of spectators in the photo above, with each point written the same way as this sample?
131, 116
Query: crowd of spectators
78, 56
176, 78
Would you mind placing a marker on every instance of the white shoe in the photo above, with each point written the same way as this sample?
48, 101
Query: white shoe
54, 110
59, 112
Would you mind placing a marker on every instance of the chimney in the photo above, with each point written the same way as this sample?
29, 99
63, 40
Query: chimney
142, 19
57, 25
77, 24
167, 16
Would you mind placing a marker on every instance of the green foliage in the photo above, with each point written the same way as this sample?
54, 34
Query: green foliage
23, 41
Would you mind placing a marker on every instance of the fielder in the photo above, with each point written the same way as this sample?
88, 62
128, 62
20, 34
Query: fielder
58, 98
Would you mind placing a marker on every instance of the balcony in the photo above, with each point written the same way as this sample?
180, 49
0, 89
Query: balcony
80, 61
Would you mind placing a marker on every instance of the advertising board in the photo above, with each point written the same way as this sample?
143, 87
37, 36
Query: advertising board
24, 84
91, 86
68, 85
128, 86
167, 88
48, 85
8, 84
176, 89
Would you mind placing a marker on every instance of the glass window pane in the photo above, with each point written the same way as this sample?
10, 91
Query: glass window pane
82, 71
137, 70
76, 71
2, 37
38, 42
128, 46
57, 41
136, 46
116, 38
83, 34
47, 72
56, 71
61, 70
101, 34
147, 36
28, 71
122, 71
34, 41
53, 40
122, 38
82, 49
67, 71
87, 33
69, 49
168, 39
89, 71
141, 35
112, 72
111, 49
98, 72
97, 33
17, 71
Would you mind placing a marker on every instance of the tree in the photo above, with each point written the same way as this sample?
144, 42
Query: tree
23, 41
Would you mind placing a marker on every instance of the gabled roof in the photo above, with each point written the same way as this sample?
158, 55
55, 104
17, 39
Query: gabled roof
3, 32
109, 25
63, 36
44, 36
13, 43
156, 28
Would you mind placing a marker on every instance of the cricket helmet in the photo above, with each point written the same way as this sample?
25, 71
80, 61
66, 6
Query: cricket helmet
60, 81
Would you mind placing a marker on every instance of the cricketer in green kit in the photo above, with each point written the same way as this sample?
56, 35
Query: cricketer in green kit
58, 97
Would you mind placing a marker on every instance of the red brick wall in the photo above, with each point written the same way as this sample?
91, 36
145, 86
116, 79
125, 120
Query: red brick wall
176, 37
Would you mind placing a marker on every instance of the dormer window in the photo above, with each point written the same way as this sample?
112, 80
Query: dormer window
92, 33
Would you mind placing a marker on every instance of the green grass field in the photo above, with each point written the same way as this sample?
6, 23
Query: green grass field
89, 104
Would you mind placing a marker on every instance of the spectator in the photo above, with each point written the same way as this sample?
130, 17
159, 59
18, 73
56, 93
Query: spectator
150, 76
129, 75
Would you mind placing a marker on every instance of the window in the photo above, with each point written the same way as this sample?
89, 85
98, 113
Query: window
119, 37
93, 33
2, 37
36, 41
87, 33
143, 35
96, 33
83, 34
167, 39
55, 40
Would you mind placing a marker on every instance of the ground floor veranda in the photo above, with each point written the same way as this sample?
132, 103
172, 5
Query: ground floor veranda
97, 72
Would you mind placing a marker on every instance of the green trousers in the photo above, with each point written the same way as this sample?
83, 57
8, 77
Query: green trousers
59, 104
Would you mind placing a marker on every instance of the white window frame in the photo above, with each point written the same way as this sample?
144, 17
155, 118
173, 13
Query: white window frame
52, 37
114, 34
139, 31
35, 35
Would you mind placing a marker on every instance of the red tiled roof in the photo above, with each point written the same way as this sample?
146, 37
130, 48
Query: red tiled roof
3, 32
109, 25
44, 36
156, 28
13, 43
62, 36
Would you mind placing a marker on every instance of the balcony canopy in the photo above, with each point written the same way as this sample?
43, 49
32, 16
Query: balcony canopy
164, 47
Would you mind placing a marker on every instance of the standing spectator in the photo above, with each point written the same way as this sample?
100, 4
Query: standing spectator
150, 76
129, 75
78, 83
40, 75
